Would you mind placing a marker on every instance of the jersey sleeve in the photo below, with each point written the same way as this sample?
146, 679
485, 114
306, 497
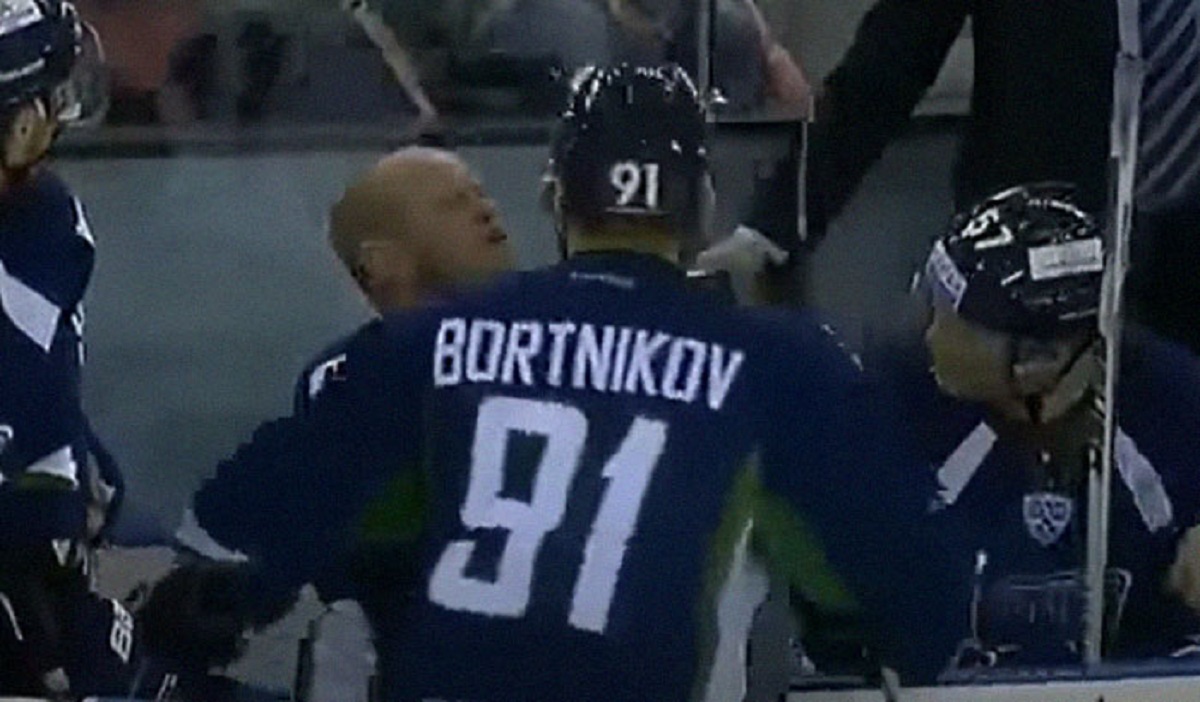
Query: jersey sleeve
1159, 406
837, 466
46, 259
293, 497
57, 263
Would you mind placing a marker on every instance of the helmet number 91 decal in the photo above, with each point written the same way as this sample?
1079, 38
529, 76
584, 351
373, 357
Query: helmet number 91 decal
636, 184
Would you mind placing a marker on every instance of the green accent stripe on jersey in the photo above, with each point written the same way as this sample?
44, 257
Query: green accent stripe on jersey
398, 514
783, 542
795, 554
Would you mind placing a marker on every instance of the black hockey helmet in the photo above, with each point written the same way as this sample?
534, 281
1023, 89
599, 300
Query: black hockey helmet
631, 143
47, 53
1026, 261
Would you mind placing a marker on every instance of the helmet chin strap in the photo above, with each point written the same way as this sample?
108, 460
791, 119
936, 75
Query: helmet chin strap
1077, 376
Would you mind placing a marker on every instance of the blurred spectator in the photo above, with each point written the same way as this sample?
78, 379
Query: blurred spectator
261, 49
535, 29
750, 68
191, 86
139, 38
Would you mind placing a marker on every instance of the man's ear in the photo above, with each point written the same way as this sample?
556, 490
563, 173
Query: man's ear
29, 135
382, 260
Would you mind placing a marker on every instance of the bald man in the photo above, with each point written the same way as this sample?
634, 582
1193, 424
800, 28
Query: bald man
413, 229
417, 225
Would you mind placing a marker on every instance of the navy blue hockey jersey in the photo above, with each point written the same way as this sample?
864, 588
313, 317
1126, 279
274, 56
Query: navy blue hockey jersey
1028, 526
571, 464
46, 258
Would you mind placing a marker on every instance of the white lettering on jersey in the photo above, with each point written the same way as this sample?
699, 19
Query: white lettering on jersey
120, 638
584, 356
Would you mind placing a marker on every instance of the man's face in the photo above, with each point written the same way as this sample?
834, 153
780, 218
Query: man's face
453, 227
969, 362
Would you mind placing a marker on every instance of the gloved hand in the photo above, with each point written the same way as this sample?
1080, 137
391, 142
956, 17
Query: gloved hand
198, 614
745, 252
1184, 577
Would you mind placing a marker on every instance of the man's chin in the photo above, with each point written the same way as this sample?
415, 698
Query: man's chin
947, 386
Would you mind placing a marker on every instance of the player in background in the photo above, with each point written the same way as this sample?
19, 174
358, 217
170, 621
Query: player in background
1006, 417
52, 468
576, 456
59, 488
413, 230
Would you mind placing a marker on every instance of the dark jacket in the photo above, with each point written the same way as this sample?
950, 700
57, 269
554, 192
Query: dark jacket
1040, 106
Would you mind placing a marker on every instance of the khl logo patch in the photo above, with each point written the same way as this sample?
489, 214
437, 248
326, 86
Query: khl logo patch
1047, 516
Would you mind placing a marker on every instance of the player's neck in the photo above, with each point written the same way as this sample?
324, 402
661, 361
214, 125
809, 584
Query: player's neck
395, 297
12, 178
633, 239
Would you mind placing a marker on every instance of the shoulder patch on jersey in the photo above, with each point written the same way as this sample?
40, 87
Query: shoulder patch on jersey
332, 370
961, 465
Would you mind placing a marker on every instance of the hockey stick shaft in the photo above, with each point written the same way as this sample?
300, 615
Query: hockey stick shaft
1127, 89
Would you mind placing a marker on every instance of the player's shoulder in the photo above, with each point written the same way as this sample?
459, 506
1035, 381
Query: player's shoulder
45, 195
1159, 391
327, 370
336, 348
47, 226
802, 340
45, 187
509, 294
1159, 413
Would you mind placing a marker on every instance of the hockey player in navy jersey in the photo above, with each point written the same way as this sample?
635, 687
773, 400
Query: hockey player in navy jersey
48, 78
1006, 417
59, 488
576, 459
413, 230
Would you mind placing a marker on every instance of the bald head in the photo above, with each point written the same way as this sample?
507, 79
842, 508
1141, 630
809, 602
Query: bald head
373, 207
415, 223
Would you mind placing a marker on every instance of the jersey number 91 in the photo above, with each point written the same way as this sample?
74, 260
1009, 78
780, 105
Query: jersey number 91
565, 429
